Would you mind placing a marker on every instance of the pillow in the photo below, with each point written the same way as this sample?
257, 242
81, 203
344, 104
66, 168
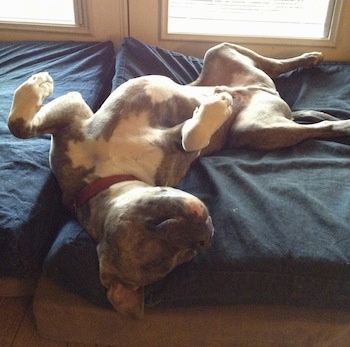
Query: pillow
31, 206
281, 217
135, 59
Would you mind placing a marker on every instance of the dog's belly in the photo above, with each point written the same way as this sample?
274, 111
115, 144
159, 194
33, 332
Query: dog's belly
148, 108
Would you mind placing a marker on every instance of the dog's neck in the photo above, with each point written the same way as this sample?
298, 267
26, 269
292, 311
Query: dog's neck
92, 214
97, 186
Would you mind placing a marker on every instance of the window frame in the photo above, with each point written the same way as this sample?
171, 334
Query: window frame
82, 25
329, 41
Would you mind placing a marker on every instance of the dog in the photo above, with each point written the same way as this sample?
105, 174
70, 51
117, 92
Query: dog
117, 167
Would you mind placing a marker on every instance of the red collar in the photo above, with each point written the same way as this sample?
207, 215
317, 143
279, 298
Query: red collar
95, 187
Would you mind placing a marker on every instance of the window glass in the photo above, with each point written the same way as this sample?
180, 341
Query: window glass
264, 18
38, 12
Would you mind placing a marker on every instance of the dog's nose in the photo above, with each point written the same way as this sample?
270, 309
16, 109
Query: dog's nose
195, 206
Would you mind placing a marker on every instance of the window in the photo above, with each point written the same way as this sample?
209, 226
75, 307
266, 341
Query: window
290, 19
38, 11
44, 15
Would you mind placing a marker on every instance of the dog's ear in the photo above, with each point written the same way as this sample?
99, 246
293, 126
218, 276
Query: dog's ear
127, 300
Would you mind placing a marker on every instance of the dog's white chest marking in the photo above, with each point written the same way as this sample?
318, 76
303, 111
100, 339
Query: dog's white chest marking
133, 149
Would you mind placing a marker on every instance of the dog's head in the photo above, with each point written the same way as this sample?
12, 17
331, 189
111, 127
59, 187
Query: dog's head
147, 232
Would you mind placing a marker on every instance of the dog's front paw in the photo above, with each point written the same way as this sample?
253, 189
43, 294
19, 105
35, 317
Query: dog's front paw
42, 83
218, 105
35, 89
207, 118
312, 59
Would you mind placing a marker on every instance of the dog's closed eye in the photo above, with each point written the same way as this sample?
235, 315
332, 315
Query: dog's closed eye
156, 262
158, 223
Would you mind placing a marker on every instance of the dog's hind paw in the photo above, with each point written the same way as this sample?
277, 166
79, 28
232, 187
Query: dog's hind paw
312, 59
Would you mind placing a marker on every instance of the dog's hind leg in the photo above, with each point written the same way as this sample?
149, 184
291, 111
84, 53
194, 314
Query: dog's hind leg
311, 116
272, 66
29, 117
233, 65
285, 133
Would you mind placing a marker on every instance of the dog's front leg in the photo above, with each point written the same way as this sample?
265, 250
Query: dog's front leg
29, 117
207, 119
27, 101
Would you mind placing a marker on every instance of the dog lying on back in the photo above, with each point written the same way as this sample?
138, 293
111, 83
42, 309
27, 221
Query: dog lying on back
117, 167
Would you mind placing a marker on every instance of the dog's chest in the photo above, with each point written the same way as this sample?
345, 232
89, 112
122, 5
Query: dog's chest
134, 147
135, 132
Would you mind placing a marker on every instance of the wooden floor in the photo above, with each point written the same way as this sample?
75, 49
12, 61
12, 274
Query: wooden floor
17, 326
